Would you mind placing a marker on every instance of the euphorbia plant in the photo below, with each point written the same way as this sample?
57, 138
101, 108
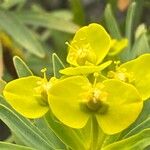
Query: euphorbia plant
90, 98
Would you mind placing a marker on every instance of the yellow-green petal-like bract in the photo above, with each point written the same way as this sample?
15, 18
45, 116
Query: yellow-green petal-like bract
89, 46
65, 97
125, 104
84, 70
22, 94
114, 103
139, 69
117, 46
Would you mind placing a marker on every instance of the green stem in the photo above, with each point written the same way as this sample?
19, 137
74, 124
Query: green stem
95, 129
98, 136
101, 139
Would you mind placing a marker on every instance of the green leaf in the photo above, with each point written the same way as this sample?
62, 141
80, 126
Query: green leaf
111, 23
66, 134
23, 128
21, 68
86, 133
2, 85
6, 4
141, 29
47, 20
27, 123
138, 11
1, 61
78, 12
145, 124
97, 134
111, 139
21, 34
43, 125
63, 13
9, 146
140, 46
130, 24
57, 65
129, 27
92, 134
136, 142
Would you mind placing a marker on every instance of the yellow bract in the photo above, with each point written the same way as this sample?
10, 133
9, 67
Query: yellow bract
65, 99
89, 46
27, 96
136, 72
84, 70
117, 46
74, 100
125, 104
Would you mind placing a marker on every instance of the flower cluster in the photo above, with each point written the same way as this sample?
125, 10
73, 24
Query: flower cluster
90, 87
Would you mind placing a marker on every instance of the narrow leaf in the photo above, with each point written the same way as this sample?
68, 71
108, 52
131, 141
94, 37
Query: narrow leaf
42, 124
78, 12
130, 24
63, 13
6, 4
111, 23
129, 27
138, 11
2, 85
1, 61
21, 34
8, 146
23, 129
21, 68
47, 20
145, 124
136, 142
140, 46
86, 133
66, 134
57, 65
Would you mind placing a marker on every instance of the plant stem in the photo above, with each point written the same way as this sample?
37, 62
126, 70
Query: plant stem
101, 139
98, 136
94, 137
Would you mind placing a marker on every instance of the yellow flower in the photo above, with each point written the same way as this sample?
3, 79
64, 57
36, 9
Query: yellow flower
137, 73
114, 104
87, 50
89, 46
28, 95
